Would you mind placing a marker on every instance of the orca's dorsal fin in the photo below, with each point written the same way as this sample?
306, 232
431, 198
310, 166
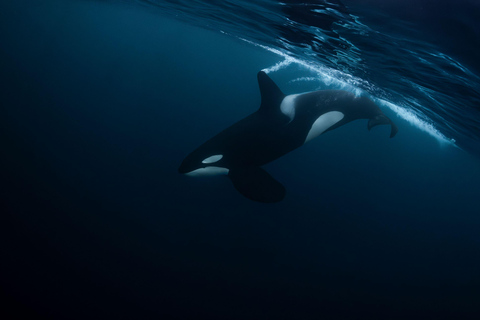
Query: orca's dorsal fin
271, 94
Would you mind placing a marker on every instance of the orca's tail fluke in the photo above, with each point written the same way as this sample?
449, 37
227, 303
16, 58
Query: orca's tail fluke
382, 119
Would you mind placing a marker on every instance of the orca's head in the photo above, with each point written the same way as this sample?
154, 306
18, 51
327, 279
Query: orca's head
203, 164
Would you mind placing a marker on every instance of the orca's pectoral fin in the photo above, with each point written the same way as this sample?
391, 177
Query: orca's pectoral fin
383, 119
256, 184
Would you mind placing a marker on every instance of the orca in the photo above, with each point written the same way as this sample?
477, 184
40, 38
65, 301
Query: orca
281, 124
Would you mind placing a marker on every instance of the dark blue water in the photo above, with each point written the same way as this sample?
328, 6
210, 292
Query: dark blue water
102, 100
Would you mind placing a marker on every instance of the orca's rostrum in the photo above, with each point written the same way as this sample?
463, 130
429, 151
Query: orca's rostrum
281, 124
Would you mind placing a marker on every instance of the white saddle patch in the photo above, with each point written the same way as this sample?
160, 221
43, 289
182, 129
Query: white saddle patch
288, 106
324, 122
213, 159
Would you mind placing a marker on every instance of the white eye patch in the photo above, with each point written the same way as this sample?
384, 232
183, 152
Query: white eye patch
213, 158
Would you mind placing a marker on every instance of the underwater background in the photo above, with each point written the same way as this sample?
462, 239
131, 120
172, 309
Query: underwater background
102, 100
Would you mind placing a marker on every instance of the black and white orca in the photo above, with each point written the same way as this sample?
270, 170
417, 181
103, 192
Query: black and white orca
281, 124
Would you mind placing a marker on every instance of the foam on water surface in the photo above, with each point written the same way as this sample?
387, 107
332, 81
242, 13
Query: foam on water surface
340, 80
